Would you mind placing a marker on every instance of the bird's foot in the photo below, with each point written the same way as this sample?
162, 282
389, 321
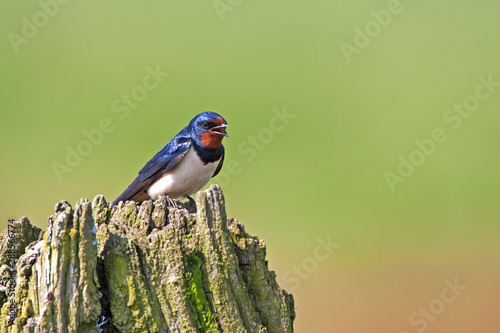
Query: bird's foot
172, 202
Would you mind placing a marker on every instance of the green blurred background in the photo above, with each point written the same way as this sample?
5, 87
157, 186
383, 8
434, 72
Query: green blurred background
321, 177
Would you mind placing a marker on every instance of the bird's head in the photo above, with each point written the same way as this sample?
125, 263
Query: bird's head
208, 129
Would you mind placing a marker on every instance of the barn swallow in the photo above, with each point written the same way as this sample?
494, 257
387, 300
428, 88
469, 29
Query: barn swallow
184, 165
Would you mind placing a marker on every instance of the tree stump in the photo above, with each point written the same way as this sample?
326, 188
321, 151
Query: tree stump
139, 268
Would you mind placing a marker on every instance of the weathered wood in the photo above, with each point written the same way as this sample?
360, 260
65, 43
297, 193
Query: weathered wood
146, 268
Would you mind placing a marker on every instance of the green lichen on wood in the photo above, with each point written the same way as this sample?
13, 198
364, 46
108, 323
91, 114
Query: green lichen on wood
199, 297
144, 268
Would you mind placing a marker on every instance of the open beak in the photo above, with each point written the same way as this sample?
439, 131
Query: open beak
221, 129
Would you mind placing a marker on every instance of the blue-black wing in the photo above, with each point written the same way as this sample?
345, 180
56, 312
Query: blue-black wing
164, 161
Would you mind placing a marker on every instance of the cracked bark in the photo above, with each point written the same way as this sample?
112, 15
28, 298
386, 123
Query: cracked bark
141, 268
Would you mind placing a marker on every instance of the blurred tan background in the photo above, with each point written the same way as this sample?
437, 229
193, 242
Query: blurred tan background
364, 141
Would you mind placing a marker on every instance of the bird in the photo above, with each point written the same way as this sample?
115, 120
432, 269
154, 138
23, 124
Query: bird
184, 165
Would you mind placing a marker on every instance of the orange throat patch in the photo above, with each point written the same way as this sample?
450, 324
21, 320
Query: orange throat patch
211, 140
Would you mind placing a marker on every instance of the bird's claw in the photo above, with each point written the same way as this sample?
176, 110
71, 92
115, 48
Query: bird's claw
172, 202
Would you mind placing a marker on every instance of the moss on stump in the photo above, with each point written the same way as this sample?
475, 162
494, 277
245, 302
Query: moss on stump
140, 268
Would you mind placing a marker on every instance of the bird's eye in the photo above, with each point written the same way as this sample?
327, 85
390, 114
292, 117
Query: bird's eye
205, 125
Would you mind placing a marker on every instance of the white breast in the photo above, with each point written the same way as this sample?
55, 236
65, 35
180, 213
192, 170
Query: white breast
186, 178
